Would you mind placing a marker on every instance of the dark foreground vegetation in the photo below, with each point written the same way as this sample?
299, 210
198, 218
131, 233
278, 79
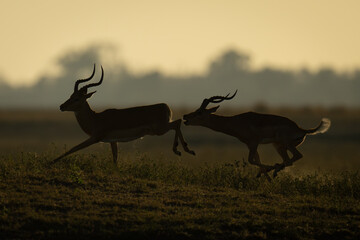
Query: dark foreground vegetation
85, 196
153, 194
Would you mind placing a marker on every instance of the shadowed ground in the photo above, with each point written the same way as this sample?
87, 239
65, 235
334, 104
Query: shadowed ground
86, 196
153, 194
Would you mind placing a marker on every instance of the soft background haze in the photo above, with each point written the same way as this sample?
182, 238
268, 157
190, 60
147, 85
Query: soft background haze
297, 59
278, 52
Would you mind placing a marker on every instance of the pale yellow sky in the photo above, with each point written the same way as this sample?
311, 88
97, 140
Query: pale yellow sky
179, 36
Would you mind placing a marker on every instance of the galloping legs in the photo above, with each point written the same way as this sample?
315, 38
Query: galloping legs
175, 125
282, 150
254, 159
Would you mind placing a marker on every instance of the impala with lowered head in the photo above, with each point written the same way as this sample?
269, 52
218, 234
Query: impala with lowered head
253, 129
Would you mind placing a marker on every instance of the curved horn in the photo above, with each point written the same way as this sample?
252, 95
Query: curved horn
217, 99
95, 84
76, 87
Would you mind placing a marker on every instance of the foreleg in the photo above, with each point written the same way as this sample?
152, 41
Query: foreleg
114, 151
82, 145
264, 169
254, 159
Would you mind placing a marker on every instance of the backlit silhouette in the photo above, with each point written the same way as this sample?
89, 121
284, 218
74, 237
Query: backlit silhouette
119, 125
254, 129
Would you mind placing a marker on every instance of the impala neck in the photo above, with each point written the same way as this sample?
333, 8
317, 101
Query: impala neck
86, 118
217, 123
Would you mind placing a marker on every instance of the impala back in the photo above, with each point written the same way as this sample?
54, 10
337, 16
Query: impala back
131, 123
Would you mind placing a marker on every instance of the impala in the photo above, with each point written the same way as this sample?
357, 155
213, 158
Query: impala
119, 125
253, 129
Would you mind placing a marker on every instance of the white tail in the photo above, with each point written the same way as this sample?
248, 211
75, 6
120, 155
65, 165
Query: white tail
322, 128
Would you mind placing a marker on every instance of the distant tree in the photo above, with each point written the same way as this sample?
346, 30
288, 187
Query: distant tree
229, 64
229, 71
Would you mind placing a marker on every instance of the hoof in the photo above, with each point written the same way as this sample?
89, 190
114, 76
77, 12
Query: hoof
177, 153
264, 170
290, 163
191, 152
268, 178
278, 168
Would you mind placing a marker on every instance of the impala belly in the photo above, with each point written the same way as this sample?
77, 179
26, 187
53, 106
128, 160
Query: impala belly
267, 140
280, 134
126, 135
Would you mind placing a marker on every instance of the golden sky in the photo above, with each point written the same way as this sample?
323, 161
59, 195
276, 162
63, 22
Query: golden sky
179, 36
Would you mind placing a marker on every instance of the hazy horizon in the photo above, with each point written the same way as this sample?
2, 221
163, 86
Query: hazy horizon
230, 70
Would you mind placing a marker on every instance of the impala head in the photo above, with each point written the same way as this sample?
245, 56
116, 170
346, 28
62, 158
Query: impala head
202, 113
79, 96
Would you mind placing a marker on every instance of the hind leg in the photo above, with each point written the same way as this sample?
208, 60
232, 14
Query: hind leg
178, 136
282, 150
292, 148
296, 155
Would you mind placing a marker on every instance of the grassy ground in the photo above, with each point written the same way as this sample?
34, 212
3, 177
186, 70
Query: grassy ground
153, 194
86, 196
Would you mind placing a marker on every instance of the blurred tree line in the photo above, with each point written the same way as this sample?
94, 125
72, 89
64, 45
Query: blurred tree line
228, 72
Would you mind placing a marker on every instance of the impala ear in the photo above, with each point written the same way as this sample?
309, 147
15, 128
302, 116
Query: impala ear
88, 95
212, 110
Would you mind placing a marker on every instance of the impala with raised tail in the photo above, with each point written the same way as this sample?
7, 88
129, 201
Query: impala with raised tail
253, 129
119, 125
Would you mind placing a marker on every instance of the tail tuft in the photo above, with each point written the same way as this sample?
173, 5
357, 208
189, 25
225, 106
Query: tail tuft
323, 127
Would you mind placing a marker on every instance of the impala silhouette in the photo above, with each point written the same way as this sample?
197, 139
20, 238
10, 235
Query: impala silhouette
253, 129
119, 125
